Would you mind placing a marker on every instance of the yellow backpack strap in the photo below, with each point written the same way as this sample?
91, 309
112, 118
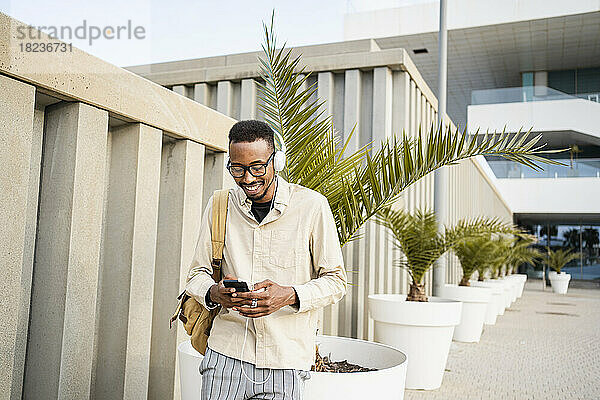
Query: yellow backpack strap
219, 218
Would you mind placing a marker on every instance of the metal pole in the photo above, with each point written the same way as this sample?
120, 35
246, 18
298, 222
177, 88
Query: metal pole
580, 250
440, 190
547, 256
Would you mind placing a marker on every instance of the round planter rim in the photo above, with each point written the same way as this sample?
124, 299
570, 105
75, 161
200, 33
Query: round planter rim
401, 353
183, 345
394, 309
485, 292
436, 299
497, 289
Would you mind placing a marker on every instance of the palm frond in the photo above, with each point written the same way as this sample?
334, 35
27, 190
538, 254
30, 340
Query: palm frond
361, 183
474, 254
467, 228
418, 237
557, 259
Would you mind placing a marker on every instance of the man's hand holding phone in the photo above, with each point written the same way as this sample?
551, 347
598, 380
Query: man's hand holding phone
265, 298
222, 295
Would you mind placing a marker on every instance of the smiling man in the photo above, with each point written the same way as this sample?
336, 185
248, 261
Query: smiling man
282, 240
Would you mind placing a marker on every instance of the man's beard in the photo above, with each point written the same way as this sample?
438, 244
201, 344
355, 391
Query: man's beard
262, 191
258, 195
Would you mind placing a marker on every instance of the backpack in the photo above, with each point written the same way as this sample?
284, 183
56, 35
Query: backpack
197, 320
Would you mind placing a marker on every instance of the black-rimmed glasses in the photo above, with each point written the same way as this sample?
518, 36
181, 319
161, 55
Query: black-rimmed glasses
238, 171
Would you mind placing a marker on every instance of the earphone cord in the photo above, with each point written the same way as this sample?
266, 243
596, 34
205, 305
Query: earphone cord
248, 319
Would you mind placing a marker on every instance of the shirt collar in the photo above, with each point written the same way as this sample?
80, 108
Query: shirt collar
282, 195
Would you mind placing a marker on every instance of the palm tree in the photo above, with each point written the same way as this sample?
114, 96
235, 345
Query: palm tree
474, 253
487, 251
591, 237
557, 259
572, 238
420, 240
418, 237
522, 253
470, 233
500, 255
361, 184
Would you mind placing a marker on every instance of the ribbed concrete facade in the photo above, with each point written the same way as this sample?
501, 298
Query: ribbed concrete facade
383, 94
104, 179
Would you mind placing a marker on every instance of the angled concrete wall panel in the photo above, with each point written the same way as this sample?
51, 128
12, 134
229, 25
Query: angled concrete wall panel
60, 345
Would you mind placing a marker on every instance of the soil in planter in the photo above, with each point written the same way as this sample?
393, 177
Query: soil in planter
324, 364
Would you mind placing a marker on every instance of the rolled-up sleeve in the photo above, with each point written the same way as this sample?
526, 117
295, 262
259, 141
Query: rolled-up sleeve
199, 278
327, 261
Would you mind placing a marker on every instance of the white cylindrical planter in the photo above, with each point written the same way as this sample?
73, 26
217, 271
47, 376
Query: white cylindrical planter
522, 279
189, 374
499, 297
496, 301
507, 292
560, 282
421, 330
514, 287
475, 303
385, 383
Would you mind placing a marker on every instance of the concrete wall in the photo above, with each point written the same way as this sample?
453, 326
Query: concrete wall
383, 94
104, 178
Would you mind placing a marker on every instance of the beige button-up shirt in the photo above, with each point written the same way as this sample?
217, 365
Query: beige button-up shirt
296, 245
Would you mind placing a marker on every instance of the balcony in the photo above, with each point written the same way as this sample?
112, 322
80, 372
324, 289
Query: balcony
583, 168
562, 118
526, 94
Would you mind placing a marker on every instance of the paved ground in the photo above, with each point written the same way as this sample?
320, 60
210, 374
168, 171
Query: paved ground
546, 346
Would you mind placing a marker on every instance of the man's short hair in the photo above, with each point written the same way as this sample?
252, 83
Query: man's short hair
251, 130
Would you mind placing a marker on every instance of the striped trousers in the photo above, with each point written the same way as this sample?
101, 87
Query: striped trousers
222, 379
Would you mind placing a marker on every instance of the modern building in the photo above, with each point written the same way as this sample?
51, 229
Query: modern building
519, 65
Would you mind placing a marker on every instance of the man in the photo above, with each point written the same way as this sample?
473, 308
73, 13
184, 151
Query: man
281, 238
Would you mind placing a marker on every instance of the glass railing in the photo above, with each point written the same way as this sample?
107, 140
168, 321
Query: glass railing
589, 167
520, 95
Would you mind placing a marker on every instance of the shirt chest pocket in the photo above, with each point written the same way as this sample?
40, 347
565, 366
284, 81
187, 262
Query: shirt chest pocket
281, 248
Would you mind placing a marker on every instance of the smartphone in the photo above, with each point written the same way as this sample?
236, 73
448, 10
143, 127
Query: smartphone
239, 286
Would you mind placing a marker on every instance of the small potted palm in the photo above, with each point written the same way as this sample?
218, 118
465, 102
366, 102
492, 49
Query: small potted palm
422, 326
418, 325
521, 253
557, 259
480, 250
466, 239
493, 255
481, 303
502, 266
500, 258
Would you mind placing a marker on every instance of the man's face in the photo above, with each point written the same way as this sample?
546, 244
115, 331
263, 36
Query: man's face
252, 153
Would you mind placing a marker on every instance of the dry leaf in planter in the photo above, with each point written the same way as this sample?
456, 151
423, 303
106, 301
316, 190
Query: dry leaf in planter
324, 364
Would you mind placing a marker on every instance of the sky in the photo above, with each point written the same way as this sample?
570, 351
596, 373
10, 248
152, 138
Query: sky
179, 30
